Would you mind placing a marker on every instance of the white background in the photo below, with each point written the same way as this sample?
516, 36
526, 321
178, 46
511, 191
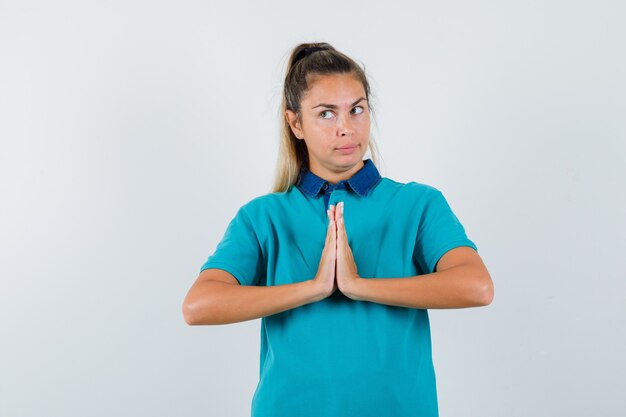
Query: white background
132, 131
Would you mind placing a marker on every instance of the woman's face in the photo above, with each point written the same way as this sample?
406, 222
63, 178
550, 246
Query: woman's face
334, 124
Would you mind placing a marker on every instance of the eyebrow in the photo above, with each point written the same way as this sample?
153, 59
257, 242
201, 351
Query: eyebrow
333, 106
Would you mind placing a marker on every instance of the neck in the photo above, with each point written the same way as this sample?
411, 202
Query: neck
334, 176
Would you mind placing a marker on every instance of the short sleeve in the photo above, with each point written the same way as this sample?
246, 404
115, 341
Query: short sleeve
239, 252
439, 231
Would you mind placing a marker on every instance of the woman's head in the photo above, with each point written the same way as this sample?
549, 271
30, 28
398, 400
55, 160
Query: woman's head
325, 114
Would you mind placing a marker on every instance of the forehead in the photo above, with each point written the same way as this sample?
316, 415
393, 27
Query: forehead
339, 89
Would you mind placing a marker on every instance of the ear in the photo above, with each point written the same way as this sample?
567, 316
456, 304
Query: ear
294, 123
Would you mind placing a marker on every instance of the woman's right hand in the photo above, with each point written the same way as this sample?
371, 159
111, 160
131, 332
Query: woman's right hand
325, 278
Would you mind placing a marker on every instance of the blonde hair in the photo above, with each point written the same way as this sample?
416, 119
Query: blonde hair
306, 60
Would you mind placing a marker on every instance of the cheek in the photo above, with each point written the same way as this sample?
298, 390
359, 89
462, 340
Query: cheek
363, 125
319, 136
321, 130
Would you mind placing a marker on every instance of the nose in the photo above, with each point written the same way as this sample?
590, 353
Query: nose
344, 126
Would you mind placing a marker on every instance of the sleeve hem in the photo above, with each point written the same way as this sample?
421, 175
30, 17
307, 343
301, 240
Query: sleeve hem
228, 268
442, 251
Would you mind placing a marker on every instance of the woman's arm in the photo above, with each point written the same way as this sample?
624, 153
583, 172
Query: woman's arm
217, 298
461, 280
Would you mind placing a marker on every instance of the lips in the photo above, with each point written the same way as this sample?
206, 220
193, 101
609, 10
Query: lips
347, 150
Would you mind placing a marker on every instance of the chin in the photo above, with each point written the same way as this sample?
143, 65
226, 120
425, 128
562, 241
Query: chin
349, 161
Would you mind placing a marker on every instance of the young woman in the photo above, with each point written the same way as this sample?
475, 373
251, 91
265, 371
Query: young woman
340, 263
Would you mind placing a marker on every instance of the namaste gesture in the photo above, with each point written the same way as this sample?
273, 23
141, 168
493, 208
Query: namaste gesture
337, 268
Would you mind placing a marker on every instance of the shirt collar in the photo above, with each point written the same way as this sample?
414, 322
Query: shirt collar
361, 182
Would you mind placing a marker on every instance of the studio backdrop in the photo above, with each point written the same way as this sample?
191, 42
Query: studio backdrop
131, 132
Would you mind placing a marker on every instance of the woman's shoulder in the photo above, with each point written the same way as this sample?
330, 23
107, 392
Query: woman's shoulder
412, 188
266, 201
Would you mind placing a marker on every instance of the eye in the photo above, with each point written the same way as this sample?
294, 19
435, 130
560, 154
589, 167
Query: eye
326, 112
358, 110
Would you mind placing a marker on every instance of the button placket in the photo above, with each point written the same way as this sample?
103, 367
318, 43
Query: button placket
328, 192
335, 197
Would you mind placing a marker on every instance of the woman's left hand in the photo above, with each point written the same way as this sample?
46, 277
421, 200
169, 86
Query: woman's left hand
346, 270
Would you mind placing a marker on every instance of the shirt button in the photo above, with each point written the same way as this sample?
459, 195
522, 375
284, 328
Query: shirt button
325, 186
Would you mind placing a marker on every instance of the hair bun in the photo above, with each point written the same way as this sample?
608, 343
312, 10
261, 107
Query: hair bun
304, 52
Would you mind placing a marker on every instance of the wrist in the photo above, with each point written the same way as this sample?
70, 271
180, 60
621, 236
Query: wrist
315, 290
351, 289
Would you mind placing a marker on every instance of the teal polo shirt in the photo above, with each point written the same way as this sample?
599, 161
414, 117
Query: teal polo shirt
339, 357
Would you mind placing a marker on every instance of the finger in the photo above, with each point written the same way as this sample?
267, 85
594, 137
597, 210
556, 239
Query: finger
331, 235
331, 215
328, 229
331, 232
339, 215
341, 224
